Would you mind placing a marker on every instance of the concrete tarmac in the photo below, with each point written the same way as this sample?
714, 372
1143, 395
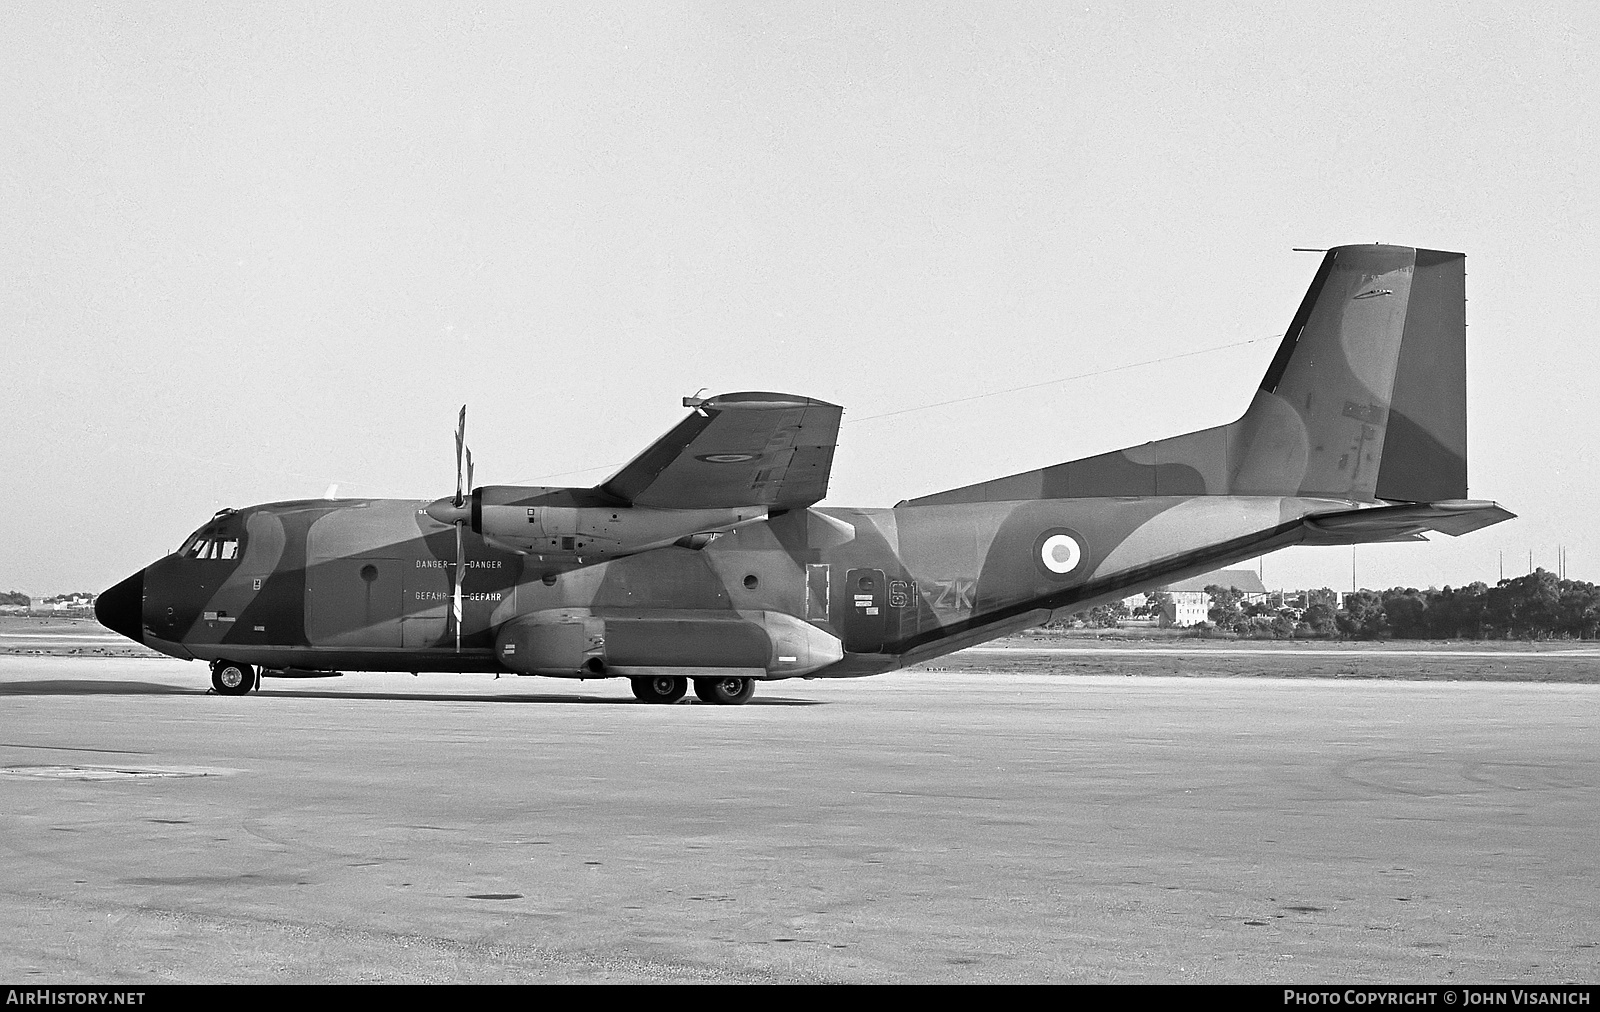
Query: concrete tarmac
916, 826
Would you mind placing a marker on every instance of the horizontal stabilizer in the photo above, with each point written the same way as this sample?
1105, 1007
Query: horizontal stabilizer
1403, 523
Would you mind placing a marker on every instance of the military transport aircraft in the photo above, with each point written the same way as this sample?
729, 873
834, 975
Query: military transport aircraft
707, 560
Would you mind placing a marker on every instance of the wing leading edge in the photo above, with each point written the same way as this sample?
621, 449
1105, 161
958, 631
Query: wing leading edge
741, 449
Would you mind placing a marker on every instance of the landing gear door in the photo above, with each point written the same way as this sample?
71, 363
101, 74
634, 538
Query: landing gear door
866, 611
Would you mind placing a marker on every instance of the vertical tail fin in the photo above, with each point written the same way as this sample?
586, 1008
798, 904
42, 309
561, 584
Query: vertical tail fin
1364, 400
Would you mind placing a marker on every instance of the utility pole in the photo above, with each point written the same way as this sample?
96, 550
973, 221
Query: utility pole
1352, 569
1502, 565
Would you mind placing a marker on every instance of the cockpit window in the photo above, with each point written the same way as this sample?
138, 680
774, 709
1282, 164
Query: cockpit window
202, 546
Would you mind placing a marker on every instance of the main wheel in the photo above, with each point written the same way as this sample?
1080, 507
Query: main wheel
727, 691
660, 688
232, 678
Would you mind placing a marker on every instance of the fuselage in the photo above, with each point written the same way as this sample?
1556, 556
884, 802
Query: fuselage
704, 559
368, 584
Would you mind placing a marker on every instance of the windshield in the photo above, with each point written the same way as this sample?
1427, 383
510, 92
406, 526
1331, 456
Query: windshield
210, 543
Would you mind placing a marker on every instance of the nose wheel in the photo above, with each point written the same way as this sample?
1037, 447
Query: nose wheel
727, 691
232, 678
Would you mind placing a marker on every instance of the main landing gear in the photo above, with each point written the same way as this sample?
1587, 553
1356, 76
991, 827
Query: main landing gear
659, 689
232, 678
727, 691
666, 689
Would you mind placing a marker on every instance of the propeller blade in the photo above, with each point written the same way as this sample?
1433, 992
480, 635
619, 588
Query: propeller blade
461, 442
469, 470
455, 597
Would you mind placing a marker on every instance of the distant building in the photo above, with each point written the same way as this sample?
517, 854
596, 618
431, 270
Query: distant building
1191, 604
68, 603
1300, 600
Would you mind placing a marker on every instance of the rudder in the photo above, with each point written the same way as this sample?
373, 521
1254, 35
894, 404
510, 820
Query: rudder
1425, 447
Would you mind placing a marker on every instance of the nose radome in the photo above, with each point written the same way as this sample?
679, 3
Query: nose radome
121, 608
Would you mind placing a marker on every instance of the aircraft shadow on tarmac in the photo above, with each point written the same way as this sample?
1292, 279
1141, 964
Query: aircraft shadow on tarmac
467, 697
104, 687
90, 687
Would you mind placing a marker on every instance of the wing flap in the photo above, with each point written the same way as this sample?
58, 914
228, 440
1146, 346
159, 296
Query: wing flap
740, 449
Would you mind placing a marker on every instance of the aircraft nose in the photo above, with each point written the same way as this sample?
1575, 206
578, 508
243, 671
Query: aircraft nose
121, 609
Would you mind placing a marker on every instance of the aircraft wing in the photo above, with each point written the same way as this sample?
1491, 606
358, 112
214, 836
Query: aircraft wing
1406, 522
739, 449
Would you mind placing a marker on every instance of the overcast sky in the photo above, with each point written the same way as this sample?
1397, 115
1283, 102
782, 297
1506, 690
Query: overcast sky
250, 251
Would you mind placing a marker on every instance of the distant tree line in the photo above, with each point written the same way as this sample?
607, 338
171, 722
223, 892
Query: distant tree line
1536, 606
17, 597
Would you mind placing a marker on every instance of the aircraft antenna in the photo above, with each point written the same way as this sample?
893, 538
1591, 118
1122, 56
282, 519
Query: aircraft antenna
965, 399
1060, 379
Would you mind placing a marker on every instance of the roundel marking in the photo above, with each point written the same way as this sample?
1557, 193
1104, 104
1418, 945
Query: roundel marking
1060, 554
1059, 551
727, 458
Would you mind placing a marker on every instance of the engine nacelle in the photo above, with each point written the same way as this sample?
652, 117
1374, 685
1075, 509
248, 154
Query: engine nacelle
577, 525
576, 643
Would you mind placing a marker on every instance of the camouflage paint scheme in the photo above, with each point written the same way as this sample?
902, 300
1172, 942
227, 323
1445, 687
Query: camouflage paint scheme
706, 556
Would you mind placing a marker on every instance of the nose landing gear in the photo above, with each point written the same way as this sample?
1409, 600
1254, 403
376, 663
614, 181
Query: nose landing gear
232, 678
